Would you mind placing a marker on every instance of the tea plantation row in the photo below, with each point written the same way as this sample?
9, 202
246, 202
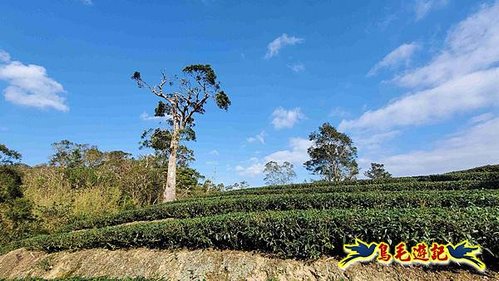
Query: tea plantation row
393, 186
252, 203
300, 234
455, 176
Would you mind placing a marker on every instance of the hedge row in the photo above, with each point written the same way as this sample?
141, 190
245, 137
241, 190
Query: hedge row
299, 234
376, 199
455, 176
395, 186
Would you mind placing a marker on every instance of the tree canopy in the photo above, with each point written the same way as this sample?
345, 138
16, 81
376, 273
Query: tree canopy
181, 98
276, 174
332, 154
377, 171
8, 156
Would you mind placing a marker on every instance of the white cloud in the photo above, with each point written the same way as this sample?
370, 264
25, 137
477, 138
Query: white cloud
251, 171
277, 44
473, 147
374, 141
482, 118
423, 7
214, 152
401, 55
4, 56
339, 112
259, 137
282, 118
297, 67
461, 78
463, 94
470, 46
29, 85
296, 154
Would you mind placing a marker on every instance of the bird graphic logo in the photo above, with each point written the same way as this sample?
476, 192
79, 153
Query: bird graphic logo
359, 251
466, 253
461, 253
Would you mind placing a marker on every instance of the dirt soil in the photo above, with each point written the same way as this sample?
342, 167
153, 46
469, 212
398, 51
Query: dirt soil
208, 265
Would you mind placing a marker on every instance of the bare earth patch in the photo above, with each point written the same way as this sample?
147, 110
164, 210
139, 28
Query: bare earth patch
208, 265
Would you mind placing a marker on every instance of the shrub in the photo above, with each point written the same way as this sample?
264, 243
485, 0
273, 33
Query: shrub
10, 184
383, 186
299, 234
377, 199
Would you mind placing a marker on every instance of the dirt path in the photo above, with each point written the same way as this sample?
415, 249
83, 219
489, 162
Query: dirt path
206, 264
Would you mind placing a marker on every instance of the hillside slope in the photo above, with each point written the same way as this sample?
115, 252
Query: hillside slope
207, 265
292, 232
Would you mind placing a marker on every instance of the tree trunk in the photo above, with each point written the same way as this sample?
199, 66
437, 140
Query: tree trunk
169, 193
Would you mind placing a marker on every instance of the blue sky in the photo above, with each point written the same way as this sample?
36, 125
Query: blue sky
414, 83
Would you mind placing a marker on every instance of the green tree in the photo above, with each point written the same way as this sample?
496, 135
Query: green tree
8, 156
10, 184
237, 185
181, 98
377, 171
160, 140
332, 154
276, 174
69, 154
16, 216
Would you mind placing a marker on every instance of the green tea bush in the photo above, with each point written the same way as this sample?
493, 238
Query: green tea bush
373, 199
454, 176
391, 186
298, 234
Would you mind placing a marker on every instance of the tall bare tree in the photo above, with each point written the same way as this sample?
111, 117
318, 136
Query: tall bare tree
181, 98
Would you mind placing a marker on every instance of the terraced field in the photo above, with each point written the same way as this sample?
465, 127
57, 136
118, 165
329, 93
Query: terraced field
303, 221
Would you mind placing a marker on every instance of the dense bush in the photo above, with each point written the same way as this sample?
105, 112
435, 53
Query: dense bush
384, 186
455, 176
17, 220
377, 199
10, 184
299, 234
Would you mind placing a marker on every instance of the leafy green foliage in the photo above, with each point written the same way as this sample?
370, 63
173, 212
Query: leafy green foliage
336, 200
68, 154
493, 183
182, 98
332, 154
377, 171
8, 156
202, 73
301, 220
276, 174
160, 141
16, 213
10, 184
298, 234
222, 100
188, 179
